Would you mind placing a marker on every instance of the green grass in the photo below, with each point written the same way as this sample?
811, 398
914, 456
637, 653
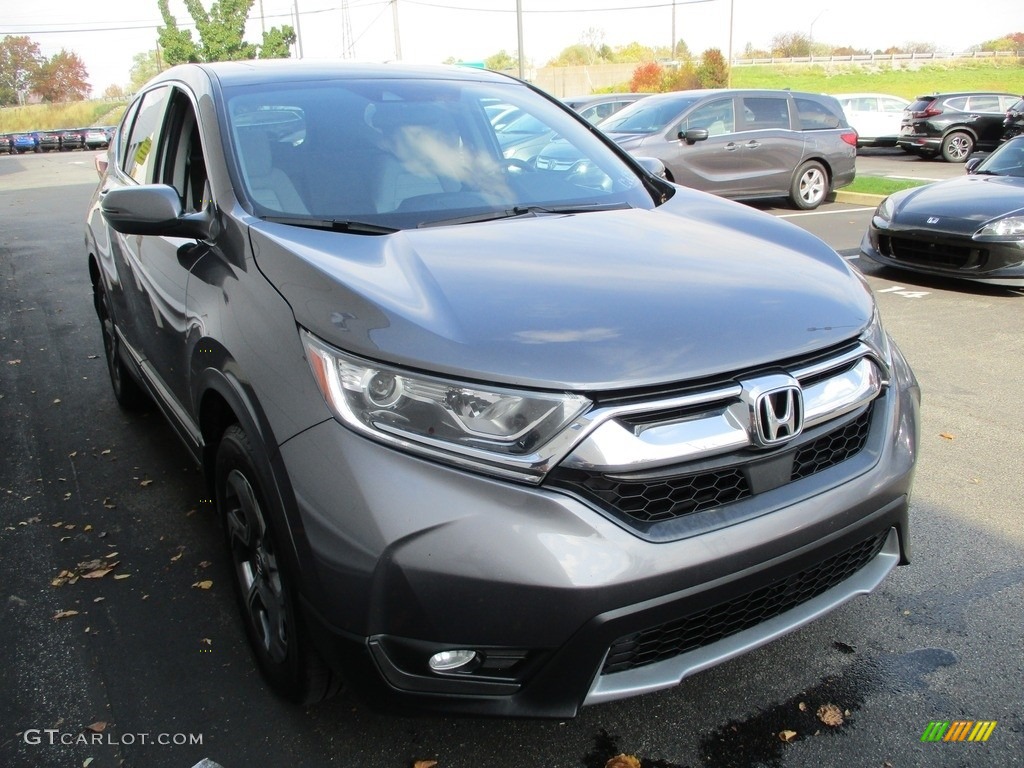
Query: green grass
876, 185
907, 79
45, 117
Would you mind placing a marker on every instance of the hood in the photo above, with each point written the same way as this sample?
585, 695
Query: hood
596, 301
961, 205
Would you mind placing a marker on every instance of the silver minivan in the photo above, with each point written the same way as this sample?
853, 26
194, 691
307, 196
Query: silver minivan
743, 144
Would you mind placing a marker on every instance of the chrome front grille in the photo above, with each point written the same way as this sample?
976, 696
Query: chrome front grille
651, 463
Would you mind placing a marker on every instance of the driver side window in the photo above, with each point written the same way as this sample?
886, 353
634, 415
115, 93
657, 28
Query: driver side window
717, 117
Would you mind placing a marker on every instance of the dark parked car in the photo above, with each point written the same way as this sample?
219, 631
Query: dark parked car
734, 143
72, 139
971, 227
7, 143
599, 106
1013, 123
507, 440
954, 125
49, 141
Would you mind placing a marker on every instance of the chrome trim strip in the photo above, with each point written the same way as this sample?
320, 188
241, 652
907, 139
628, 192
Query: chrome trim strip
611, 446
669, 673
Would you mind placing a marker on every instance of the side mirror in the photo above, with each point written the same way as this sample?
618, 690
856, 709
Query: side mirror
972, 164
155, 209
652, 165
693, 135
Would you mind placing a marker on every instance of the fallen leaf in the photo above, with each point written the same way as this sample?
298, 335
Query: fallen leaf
803, 707
108, 504
623, 761
97, 727
14, 362
87, 528
104, 452
56, 401
206, 641
64, 615
204, 584
787, 736
98, 599
205, 564
177, 557
830, 715
120, 576
99, 573
424, 764
87, 762
91, 357
947, 436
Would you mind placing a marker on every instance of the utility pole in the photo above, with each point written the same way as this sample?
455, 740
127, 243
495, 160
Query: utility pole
298, 30
398, 39
519, 26
728, 75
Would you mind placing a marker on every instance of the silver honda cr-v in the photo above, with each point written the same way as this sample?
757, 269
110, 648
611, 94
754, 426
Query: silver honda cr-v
484, 436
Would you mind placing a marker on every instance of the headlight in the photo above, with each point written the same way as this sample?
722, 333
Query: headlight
877, 339
503, 431
883, 214
1011, 226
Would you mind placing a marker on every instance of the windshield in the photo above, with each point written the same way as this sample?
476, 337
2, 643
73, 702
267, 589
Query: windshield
647, 115
1007, 160
408, 153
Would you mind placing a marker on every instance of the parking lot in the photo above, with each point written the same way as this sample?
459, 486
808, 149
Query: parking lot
146, 664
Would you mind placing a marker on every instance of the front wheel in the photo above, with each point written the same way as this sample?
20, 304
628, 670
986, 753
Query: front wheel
957, 147
262, 579
127, 391
810, 185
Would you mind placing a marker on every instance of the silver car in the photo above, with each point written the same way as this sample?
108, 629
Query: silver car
743, 144
486, 437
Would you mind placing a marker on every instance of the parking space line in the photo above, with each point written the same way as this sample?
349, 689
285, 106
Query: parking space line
822, 213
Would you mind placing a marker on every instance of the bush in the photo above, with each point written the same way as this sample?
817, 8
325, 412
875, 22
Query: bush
647, 78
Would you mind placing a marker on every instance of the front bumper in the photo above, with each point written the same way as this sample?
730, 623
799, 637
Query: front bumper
946, 255
403, 558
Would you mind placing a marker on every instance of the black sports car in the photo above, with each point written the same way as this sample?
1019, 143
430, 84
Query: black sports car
971, 227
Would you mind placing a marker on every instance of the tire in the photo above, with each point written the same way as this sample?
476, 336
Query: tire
127, 391
263, 584
957, 147
809, 187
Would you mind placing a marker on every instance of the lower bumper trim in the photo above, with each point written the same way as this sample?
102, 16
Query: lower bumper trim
670, 672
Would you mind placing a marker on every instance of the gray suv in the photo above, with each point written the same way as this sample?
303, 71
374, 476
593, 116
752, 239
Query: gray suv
744, 144
485, 437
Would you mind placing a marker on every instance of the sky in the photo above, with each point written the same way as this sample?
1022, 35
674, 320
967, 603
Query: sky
106, 35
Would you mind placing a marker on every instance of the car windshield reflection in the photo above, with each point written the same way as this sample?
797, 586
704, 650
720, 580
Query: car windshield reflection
403, 156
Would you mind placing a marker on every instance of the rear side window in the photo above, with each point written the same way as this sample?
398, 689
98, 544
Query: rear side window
140, 153
960, 103
816, 116
984, 104
764, 112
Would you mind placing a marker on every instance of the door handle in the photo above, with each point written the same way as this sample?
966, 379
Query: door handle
732, 146
752, 144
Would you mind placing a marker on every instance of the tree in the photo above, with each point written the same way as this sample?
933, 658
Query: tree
713, 72
114, 93
647, 78
681, 78
20, 58
1011, 42
145, 66
221, 34
633, 52
791, 45
63, 77
501, 60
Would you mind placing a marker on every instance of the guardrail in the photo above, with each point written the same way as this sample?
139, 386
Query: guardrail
879, 57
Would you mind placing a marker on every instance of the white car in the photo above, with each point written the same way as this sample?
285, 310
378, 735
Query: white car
875, 116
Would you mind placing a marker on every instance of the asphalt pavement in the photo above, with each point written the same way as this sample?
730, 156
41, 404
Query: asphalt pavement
122, 645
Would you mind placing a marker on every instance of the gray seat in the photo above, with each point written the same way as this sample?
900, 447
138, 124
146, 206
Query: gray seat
269, 186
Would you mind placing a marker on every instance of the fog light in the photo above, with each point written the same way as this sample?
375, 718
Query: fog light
451, 661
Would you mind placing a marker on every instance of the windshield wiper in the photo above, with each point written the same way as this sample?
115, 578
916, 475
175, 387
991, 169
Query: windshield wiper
527, 210
332, 225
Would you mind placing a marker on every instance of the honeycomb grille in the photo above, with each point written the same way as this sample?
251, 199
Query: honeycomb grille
655, 500
673, 638
831, 449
